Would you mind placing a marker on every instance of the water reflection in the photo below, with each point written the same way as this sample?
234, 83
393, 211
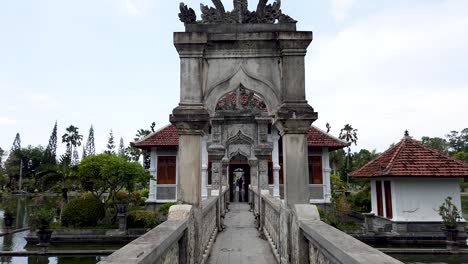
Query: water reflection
51, 260
17, 241
432, 259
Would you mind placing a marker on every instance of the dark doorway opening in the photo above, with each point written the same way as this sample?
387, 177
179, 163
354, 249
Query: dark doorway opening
239, 181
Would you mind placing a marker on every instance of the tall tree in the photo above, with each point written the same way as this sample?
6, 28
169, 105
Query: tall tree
454, 141
76, 157
436, 143
90, 147
135, 153
362, 157
122, 148
84, 154
348, 134
16, 143
31, 159
110, 144
72, 139
50, 155
2, 153
464, 139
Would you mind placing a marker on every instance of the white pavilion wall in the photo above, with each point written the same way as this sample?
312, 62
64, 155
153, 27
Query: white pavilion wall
418, 199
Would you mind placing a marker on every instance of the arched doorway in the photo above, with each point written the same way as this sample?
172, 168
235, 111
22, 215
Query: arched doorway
239, 179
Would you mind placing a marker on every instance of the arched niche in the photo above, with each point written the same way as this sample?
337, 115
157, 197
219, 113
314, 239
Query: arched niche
242, 79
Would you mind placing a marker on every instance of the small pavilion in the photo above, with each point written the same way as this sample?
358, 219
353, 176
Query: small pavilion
163, 145
409, 182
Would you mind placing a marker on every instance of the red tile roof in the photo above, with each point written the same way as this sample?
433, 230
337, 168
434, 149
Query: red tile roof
410, 158
319, 138
167, 136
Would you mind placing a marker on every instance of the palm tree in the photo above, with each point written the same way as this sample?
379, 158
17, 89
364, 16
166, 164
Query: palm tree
348, 134
72, 138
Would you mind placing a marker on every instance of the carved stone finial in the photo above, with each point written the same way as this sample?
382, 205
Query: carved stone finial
265, 13
187, 15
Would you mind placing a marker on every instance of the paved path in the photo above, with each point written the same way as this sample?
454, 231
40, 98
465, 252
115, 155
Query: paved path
240, 242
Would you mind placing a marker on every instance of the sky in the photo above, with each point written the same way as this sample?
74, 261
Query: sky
382, 66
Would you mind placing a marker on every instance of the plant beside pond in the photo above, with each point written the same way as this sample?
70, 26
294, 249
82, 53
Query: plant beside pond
84, 211
9, 210
142, 219
450, 218
41, 218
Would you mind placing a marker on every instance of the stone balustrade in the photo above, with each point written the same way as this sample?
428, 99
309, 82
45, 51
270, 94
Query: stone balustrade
298, 235
174, 240
165, 243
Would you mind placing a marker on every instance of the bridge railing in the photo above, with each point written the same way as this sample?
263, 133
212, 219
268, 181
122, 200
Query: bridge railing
297, 235
179, 239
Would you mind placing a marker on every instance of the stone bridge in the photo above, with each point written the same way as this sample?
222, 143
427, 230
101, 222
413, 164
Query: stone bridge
242, 80
262, 231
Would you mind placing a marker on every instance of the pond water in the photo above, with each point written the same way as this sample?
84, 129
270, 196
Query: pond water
17, 242
432, 259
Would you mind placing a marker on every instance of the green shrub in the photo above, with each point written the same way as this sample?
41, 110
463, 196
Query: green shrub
84, 211
135, 198
142, 219
164, 209
361, 201
145, 193
41, 217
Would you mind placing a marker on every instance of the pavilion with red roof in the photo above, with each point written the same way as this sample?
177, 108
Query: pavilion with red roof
409, 182
163, 146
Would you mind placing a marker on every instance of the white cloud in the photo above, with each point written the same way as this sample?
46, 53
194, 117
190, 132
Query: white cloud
4, 120
131, 7
340, 9
399, 69
41, 101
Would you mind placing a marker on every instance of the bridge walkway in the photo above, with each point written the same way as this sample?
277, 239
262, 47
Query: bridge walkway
240, 242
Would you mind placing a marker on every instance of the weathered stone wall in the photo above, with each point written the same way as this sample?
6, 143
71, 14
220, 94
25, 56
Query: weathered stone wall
297, 235
171, 256
316, 256
271, 226
160, 245
209, 225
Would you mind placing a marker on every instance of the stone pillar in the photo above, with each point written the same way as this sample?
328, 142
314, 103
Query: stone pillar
204, 172
296, 184
253, 173
294, 122
190, 117
326, 175
263, 174
276, 166
154, 176
294, 117
216, 169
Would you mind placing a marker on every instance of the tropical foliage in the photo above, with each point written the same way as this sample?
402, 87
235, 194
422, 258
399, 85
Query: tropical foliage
449, 213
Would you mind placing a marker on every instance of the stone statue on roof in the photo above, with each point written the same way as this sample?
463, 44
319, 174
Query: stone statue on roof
265, 13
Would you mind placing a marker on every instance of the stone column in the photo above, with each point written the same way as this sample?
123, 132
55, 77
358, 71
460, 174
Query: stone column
276, 166
204, 171
154, 177
294, 117
263, 174
253, 173
326, 175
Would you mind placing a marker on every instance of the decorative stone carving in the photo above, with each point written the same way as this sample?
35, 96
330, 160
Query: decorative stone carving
265, 13
239, 139
187, 14
242, 99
